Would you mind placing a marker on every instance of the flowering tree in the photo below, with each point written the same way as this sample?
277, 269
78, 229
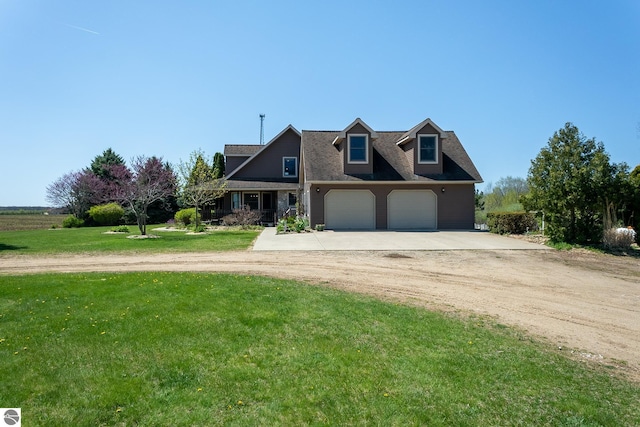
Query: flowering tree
77, 192
200, 183
148, 181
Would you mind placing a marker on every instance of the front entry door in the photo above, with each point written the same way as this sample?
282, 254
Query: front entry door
267, 201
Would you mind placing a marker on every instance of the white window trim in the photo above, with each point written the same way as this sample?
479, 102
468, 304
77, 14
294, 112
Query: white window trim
284, 159
366, 149
428, 162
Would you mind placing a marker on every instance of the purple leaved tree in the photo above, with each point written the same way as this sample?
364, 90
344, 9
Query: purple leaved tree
148, 181
77, 192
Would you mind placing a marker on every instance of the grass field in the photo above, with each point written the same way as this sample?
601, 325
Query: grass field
204, 349
94, 239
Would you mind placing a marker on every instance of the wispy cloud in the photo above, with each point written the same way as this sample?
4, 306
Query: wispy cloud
82, 29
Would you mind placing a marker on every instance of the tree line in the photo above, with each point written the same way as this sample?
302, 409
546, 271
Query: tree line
148, 187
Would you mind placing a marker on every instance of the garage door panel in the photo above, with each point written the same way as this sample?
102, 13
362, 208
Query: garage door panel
411, 209
349, 210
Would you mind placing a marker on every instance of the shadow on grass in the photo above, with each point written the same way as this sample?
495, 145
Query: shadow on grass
4, 247
630, 252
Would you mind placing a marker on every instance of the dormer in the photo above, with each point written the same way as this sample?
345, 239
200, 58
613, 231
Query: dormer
422, 145
356, 144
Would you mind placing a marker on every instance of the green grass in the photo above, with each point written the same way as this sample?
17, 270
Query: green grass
93, 239
158, 349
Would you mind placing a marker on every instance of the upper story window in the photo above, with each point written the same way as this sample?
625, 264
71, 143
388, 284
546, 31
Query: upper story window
289, 167
428, 149
358, 148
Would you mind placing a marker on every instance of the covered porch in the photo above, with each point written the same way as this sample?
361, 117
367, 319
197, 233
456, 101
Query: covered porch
273, 200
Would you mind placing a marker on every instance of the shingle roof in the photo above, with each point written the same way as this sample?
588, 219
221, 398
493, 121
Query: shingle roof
241, 149
237, 184
324, 162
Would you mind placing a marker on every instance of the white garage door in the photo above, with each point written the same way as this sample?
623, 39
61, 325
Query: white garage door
350, 210
411, 210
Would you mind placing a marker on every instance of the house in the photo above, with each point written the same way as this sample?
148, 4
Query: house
264, 177
358, 178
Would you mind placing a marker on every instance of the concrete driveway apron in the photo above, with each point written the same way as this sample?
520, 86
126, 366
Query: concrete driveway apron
329, 240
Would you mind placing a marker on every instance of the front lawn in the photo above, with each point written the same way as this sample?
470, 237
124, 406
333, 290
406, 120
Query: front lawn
94, 239
159, 349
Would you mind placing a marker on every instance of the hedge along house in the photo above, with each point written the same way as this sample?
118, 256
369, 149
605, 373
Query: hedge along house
263, 177
361, 179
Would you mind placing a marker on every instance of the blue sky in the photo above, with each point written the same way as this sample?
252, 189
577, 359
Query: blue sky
165, 78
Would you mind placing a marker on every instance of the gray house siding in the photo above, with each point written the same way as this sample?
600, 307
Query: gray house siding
267, 164
232, 162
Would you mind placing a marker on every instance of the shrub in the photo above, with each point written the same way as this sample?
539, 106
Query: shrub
618, 239
109, 214
72, 222
300, 224
511, 222
186, 216
201, 228
120, 229
243, 217
292, 223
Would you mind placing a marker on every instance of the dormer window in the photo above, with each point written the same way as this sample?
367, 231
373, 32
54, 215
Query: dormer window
290, 167
427, 149
358, 148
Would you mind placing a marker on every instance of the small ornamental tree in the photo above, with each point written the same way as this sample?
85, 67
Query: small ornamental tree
148, 181
199, 186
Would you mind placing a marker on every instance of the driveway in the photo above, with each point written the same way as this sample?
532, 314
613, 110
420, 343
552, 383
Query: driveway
388, 241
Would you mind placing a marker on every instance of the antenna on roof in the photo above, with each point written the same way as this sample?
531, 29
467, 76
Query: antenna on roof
261, 129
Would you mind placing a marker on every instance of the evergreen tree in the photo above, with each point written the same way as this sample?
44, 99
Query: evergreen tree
571, 181
218, 165
102, 163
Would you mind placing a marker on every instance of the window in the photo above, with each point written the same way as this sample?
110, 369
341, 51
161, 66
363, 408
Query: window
290, 167
358, 149
235, 200
293, 199
252, 200
428, 149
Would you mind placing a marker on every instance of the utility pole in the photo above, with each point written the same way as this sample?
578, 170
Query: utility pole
261, 129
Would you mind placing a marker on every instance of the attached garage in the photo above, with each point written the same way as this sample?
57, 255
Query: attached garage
411, 210
350, 210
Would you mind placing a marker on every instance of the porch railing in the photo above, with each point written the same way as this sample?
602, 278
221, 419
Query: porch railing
267, 216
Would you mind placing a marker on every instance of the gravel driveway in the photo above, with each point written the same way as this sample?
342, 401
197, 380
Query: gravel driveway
585, 304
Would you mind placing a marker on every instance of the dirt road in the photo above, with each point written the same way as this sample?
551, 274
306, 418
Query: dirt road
586, 303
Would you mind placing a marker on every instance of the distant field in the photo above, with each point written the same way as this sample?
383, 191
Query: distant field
29, 221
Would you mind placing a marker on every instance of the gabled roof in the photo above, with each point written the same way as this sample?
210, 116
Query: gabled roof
411, 134
323, 161
358, 121
262, 148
